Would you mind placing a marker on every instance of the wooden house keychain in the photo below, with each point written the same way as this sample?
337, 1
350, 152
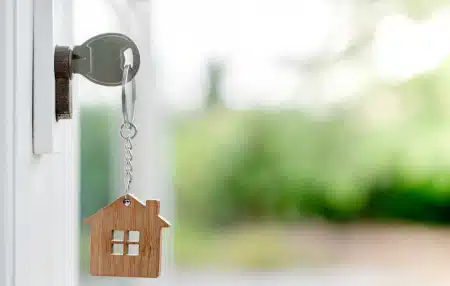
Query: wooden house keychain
125, 236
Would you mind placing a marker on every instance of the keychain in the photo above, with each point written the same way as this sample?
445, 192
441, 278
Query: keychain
125, 236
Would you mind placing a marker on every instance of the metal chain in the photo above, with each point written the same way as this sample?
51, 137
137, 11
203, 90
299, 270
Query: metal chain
128, 131
128, 168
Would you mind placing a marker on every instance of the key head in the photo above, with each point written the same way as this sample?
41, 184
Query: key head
101, 59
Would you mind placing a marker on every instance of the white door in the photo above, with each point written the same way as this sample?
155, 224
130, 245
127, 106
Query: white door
38, 192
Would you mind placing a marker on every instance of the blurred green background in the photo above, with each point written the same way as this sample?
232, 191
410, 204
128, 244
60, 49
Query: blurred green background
244, 179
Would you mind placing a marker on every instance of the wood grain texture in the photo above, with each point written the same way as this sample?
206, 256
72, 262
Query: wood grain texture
135, 217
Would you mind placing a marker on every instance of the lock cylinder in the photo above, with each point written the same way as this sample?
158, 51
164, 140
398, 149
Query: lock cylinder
63, 88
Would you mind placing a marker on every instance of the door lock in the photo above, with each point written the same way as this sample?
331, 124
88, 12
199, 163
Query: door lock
100, 59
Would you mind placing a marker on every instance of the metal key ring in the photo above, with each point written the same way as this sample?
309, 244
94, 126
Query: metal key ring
128, 117
130, 128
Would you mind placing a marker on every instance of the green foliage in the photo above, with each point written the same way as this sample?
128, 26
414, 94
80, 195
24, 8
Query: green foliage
419, 9
386, 156
98, 162
265, 165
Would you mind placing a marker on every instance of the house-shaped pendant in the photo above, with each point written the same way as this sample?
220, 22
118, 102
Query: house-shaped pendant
125, 238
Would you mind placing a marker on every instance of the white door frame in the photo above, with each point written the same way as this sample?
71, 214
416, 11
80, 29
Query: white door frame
38, 194
7, 89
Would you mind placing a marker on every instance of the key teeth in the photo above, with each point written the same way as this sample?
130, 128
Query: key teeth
81, 60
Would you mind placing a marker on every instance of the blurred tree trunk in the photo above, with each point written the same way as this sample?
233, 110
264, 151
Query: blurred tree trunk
215, 77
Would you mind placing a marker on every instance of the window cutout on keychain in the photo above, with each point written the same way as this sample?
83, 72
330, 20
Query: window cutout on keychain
133, 249
118, 235
117, 249
133, 236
